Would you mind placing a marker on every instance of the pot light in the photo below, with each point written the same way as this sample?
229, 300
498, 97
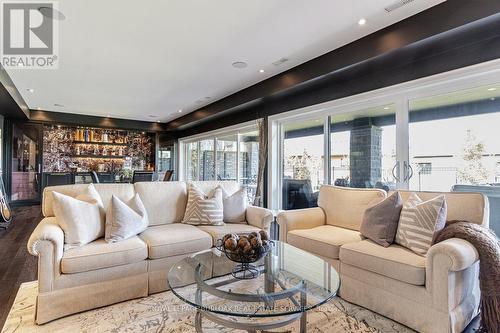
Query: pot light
362, 21
39, 108
31, 90
386, 108
108, 116
492, 89
180, 110
261, 71
239, 64
158, 121
493, 98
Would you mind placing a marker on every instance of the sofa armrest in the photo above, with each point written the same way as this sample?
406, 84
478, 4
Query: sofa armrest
259, 217
300, 219
452, 272
460, 253
47, 242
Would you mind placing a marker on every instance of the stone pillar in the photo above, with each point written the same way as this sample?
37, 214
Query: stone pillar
365, 154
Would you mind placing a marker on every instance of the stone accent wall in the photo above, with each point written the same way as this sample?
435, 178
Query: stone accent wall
365, 155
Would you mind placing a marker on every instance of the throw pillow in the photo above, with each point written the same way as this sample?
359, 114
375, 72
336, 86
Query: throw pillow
380, 222
204, 209
125, 220
235, 206
420, 222
81, 218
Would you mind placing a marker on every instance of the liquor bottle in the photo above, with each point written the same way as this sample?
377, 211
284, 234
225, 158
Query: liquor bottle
105, 137
120, 151
91, 138
104, 151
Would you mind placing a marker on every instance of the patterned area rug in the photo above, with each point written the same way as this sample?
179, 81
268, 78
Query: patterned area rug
164, 312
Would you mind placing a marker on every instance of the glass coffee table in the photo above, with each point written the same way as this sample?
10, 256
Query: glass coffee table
291, 282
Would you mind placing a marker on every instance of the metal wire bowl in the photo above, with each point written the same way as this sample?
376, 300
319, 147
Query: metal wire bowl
245, 269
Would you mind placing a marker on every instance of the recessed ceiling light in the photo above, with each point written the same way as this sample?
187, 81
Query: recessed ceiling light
239, 64
108, 115
362, 21
39, 108
180, 110
493, 98
492, 89
31, 90
386, 108
158, 121
261, 71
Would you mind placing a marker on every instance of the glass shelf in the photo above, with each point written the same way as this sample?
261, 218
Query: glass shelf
100, 143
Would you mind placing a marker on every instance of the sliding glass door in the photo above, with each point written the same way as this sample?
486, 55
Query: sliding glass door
454, 140
303, 163
363, 148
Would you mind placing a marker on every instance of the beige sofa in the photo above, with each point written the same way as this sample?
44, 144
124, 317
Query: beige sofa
100, 273
435, 293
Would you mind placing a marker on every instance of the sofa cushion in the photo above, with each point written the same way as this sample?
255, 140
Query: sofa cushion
123, 191
204, 208
100, 254
125, 219
380, 222
324, 240
344, 207
395, 261
218, 231
174, 239
81, 218
165, 202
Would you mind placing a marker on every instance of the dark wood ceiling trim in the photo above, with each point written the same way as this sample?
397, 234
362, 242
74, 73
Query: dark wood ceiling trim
475, 43
432, 22
12, 103
63, 118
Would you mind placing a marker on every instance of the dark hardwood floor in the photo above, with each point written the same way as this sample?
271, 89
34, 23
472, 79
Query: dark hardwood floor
16, 264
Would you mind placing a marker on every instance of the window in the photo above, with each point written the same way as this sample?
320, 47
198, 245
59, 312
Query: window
228, 155
363, 148
303, 163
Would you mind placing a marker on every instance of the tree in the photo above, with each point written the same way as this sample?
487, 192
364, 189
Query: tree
473, 171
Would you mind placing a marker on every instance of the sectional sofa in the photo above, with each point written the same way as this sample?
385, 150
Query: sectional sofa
100, 273
436, 293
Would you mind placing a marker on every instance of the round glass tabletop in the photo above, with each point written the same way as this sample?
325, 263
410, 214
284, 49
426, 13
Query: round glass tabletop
291, 281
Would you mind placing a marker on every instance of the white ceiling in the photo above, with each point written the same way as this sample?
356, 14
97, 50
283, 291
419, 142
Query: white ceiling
139, 59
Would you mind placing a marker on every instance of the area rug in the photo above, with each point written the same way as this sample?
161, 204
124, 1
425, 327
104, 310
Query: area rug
164, 312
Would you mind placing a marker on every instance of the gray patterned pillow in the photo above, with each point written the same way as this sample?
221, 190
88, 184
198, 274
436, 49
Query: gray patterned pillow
204, 209
420, 222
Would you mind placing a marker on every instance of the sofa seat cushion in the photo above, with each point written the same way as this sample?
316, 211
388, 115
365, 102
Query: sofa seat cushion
395, 261
324, 240
218, 231
100, 254
174, 239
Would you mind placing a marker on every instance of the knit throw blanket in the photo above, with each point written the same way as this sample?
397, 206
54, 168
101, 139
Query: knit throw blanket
488, 247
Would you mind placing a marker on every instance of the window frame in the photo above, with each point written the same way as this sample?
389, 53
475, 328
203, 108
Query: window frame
400, 95
237, 130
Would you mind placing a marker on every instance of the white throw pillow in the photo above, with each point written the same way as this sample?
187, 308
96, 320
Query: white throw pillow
204, 209
125, 220
420, 222
235, 206
81, 218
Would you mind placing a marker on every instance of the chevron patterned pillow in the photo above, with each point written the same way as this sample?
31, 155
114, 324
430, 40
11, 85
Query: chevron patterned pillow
202, 209
420, 222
